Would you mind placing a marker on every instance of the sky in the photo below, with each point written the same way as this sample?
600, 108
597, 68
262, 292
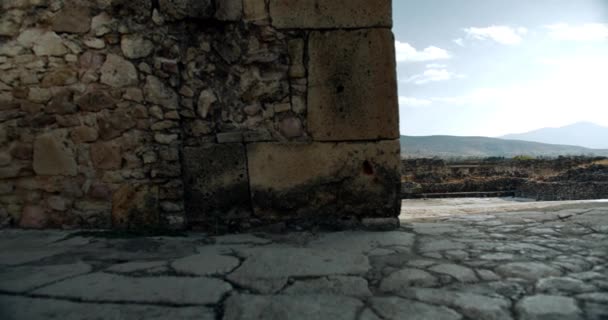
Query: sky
494, 67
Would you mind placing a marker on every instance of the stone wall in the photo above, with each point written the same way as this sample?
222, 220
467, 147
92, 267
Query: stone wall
563, 178
222, 115
583, 183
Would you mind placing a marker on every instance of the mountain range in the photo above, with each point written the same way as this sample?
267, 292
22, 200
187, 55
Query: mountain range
584, 134
455, 146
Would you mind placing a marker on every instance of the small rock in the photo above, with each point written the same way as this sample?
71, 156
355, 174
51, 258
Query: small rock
106, 155
165, 138
156, 112
133, 94
57, 203
53, 155
94, 43
33, 217
205, 101
118, 72
100, 24
460, 273
291, 127
72, 19
62, 103
84, 134
229, 137
168, 206
157, 92
136, 46
49, 44
91, 60
95, 100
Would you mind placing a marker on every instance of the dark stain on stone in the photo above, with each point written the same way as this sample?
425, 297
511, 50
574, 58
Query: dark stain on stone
368, 169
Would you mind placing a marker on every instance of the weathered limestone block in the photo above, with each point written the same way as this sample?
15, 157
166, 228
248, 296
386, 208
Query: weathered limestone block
136, 46
310, 14
352, 86
321, 182
53, 154
215, 184
118, 72
49, 44
72, 19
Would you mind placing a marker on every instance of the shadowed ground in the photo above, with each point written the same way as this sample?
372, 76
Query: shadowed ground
481, 259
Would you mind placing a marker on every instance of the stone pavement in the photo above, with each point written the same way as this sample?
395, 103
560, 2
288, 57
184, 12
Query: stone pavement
547, 264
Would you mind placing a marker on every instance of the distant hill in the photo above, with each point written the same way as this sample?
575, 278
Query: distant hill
585, 134
453, 146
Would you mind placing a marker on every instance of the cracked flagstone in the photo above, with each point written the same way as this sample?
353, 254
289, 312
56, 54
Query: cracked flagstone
532, 265
115, 288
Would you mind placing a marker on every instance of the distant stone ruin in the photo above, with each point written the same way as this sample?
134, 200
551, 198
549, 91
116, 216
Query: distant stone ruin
563, 178
220, 115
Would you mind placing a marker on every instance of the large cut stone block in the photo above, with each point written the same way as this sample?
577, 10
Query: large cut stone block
322, 182
311, 14
352, 86
216, 185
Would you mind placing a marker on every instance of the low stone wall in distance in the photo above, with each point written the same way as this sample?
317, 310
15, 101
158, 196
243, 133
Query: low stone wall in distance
220, 115
564, 178
583, 183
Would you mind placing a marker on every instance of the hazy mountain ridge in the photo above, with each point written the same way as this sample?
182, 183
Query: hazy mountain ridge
584, 134
454, 146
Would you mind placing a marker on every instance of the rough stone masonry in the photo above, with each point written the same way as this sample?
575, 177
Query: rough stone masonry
219, 115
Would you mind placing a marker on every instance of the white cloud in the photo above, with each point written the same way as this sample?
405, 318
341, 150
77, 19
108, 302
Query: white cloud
459, 41
432, 75
413, 102
479, 96
407, 53
436, 66
501, 34
585, 32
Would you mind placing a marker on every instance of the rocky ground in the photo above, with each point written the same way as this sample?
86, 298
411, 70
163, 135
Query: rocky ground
549, 263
